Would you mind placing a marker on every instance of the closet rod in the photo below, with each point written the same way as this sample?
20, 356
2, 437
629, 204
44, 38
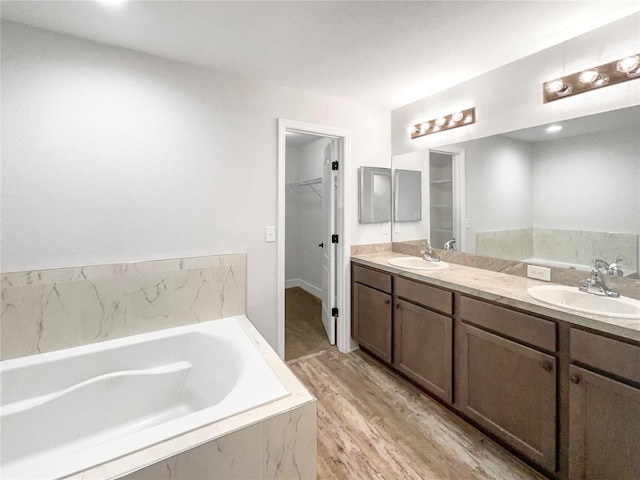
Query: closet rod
312, 181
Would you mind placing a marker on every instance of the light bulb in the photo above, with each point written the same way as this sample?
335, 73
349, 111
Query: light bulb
456, 117
436, 128
628, 64
440, 121
424, 127
468, 119
413, 130
452, 123
554, 86
589, 76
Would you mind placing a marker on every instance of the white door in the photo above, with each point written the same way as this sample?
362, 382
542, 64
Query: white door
329, 186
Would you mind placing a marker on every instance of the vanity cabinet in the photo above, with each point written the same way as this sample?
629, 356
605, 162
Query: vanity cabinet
563, 397
423, 336
506, 386
372, 311
604, 408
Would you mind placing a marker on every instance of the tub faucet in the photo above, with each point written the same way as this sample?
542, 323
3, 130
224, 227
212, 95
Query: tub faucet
427, 252
595, 285
450, 245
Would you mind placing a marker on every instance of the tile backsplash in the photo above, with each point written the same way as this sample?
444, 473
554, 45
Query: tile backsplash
45, 310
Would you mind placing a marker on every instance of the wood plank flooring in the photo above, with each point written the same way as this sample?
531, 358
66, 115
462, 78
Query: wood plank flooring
372, 424
304, 333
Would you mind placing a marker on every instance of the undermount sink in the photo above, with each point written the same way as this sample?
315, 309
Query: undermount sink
574, 299
416, 263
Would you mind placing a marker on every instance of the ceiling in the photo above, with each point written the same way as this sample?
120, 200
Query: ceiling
590, 124
380, 53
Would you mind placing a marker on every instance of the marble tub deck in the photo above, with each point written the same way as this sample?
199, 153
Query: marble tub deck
374, 424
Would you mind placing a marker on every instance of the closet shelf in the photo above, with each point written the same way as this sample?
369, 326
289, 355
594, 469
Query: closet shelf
307, 183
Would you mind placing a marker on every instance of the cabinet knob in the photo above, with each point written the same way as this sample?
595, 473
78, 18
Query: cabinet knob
574, 379
397, 305
387, 302
547, 366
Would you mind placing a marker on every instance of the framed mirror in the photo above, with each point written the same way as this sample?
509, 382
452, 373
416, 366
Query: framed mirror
374, 200
563, 196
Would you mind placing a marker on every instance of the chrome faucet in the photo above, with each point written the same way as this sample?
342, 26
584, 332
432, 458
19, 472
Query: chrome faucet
609, 269
595, 285
427, 252
450, 245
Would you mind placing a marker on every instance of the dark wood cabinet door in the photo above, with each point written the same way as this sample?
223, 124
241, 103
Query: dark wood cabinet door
372, 311
510, 390
423, 347
604, 428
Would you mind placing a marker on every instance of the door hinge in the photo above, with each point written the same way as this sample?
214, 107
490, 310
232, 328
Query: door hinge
334, 165
334, 312
334, 238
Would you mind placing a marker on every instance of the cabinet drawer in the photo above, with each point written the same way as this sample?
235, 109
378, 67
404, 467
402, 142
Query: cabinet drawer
613, 356
426, 295
526, 328
366, 276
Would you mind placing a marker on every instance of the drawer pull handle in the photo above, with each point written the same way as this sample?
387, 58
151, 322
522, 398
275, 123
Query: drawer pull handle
574, 379
387, 302
547, 366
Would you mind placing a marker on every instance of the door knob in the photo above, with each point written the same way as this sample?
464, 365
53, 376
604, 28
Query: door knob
321, 245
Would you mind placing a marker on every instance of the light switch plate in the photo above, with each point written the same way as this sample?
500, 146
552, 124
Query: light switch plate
539, 273
270, 234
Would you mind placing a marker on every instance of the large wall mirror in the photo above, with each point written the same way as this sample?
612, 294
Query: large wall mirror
563, 195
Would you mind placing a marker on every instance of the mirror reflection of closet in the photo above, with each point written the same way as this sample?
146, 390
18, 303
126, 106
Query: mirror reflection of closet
375, 195
441, 201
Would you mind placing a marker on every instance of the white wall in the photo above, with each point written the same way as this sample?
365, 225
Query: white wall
510, 98
498, 186
109, 155
588, 183
303, 257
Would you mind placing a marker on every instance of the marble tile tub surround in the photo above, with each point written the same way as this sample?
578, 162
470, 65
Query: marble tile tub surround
503, 288
46, 310
280, 447
566, 246
563, 276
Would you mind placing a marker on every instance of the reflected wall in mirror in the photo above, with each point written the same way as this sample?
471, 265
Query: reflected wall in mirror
374, 195
563, 198
407, 199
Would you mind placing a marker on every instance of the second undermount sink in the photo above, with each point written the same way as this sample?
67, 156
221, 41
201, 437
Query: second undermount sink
573, 299
416, 263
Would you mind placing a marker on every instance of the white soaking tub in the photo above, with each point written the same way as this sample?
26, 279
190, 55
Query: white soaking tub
71, 410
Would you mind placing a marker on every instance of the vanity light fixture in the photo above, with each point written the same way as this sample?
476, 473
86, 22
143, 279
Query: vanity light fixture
610, 73
446, 122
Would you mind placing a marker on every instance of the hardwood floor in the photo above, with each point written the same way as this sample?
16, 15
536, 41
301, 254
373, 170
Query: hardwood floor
372, 424
304, 333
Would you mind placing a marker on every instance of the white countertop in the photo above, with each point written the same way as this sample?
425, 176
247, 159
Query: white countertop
508, 290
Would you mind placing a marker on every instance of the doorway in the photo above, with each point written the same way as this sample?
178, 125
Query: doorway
312, 240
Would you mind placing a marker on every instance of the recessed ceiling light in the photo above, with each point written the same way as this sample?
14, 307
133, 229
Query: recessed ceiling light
113, 3
553, 128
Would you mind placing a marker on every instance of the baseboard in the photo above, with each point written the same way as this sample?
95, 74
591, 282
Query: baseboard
306, 286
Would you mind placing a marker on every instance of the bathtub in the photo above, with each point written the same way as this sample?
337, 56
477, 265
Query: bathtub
68, 411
